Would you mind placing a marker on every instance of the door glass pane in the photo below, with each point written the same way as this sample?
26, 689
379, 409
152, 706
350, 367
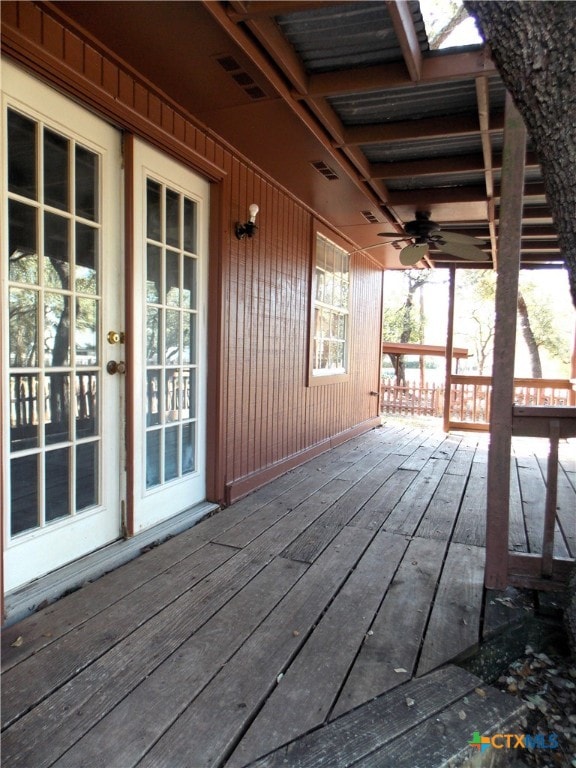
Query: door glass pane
57, 407
171, 289
87, 396
56, 250
56, 329
54, 394
86, 331
153, 391
22, 243
172, 279
172, 218
153, 210
24, 418
188, 448
190, 209
189, 292
23, 310
57, 484
22, 158
172, 342
152, 335
153, 458
23, 494
86, 259
86, 475
171, 453
172, 395
86, 184
56, 183
153, 273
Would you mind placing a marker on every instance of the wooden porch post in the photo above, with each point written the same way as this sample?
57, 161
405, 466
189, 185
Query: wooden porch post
449, 349
510, 229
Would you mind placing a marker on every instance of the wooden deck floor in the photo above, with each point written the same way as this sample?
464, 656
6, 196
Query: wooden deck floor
335, 583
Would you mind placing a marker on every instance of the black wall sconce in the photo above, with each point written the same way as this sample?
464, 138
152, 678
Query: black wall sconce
247, 229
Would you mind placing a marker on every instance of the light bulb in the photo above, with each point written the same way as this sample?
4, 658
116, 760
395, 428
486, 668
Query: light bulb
253, 210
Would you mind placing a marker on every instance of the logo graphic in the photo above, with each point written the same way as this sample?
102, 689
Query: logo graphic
514, 741
480, 742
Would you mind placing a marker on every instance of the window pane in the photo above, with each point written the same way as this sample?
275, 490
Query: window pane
21, 155
153, 458
86, 404
23, 411
331, 310
189, 394
56, 330
23, 494
172, 218
86, 259
86, 475
56, 170
56, 251
22, 243
57, 484
57, 407
86, 184
190, 226
153, 210
171, 453
23, 328
153, 272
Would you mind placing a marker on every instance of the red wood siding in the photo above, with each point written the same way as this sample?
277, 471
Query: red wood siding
262, 416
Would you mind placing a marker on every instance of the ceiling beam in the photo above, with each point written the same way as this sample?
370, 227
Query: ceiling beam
438, 69
413, 130
242, 11
403, 23
437, 166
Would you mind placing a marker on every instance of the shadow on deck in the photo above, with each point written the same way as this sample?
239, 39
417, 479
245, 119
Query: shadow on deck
314, 611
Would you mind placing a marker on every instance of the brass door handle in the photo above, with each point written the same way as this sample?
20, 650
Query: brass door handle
116, 367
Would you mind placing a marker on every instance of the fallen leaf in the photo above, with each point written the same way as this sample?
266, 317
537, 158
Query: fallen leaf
17, 643
410, 702
481, 692
462, 715
400, 669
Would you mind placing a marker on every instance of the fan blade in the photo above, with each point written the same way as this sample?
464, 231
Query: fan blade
412, 254
397, 235
468, 252
456, 237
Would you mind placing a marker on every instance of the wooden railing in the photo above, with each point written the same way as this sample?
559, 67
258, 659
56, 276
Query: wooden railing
469, 407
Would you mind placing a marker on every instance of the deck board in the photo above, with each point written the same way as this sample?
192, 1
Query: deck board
273, 624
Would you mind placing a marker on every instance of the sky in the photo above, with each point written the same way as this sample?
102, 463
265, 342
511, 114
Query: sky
437, 14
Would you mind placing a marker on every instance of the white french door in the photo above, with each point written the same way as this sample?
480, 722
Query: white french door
170, 292
61, 283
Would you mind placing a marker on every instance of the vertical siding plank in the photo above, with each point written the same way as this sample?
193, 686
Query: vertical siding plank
30, 21
140, 99
110, 78
154, 109
126, 89
73, 51
52, 34
93, 65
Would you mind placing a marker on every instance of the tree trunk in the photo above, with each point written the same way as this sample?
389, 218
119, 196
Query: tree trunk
528, 334
532, 44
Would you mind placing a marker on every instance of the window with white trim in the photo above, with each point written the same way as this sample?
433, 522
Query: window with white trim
331, 308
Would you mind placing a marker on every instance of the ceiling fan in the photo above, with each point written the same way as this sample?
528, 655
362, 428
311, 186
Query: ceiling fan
426, 233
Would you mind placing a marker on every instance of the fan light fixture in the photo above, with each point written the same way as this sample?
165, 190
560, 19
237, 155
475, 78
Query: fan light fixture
247, 229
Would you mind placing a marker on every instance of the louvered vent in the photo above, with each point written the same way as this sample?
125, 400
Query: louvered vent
240, 77
369, 216
325, 170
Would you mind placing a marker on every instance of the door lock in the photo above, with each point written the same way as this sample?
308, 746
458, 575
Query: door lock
115, 337
116, 367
